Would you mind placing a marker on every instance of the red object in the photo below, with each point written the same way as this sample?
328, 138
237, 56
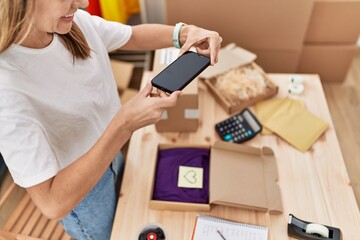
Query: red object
151, 236
94, 8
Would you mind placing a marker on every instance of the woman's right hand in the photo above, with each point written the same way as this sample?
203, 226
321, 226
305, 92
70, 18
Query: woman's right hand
145, 108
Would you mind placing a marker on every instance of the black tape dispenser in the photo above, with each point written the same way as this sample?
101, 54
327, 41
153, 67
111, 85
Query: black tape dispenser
152, 232
300, 229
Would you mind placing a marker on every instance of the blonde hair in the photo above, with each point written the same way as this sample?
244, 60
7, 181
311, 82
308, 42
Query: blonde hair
16, 21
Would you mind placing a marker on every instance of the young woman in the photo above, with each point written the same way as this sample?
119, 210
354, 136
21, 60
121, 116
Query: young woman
61, 123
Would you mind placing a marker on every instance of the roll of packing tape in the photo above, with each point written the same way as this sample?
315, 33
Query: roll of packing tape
314, 228
295, 88
296, 79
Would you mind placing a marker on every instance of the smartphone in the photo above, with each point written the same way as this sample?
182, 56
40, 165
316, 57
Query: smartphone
181, 72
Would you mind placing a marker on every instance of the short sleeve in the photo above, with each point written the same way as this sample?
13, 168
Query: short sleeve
113, 34
25, 147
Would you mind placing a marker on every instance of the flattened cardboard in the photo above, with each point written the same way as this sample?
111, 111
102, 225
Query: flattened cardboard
229, 57
334, 22
249, 174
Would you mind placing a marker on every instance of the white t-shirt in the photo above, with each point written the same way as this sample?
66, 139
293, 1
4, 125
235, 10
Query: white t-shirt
52, 111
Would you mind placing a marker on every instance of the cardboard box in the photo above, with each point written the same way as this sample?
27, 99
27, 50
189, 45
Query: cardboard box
331, 62
122, 72
184, 117
231, 57
334, 21
240, 176
127, 94
278, 61
251, 24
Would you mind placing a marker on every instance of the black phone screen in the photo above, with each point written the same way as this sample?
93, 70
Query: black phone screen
181, 72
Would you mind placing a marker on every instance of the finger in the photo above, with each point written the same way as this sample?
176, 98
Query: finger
218, 49
202, 42
184, 48
191, 42
147, 90
176, 94
214, 46
210, 46
202, 51
154, 95
203, 47
161, 93
171, 100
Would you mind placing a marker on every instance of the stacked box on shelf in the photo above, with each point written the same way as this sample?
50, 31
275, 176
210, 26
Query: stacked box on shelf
330, 41
272, 29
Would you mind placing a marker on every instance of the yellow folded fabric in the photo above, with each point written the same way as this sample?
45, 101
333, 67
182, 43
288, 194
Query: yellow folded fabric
132, 7
296, 125
119, 10
114, 10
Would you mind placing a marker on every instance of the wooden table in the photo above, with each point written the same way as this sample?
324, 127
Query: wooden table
315, 185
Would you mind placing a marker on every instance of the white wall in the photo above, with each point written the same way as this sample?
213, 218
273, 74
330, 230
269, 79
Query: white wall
153, 11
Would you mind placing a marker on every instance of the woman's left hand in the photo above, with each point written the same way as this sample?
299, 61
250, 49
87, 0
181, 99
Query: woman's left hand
205, 41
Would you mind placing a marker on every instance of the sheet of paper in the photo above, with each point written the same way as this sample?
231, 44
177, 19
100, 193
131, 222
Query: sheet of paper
212, 228
168, 55
190, 177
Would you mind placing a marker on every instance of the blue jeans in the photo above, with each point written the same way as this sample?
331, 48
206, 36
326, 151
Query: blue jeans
2, 168
93, 217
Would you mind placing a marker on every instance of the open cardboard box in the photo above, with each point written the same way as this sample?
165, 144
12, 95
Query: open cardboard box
232, 57
240, 176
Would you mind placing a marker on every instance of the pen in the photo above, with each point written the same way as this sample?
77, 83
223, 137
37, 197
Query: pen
222, 236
